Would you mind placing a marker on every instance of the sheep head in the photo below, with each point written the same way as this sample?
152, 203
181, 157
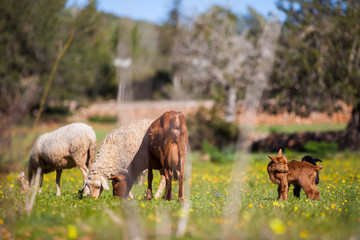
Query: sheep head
94, 187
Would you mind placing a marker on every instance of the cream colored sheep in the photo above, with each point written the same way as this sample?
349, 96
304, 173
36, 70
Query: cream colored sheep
67, 147
115, 152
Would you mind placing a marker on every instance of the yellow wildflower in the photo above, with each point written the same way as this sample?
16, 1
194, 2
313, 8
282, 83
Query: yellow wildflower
72, 232
304, 234
277, 226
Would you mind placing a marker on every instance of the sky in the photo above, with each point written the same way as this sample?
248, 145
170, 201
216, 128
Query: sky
157, 11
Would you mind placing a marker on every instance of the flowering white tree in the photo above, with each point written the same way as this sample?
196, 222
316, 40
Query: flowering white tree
211, 53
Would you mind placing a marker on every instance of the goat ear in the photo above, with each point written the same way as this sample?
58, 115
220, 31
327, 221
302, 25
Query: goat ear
112, 178
272, 158
116, 178
280, 152
104, 183
318, 160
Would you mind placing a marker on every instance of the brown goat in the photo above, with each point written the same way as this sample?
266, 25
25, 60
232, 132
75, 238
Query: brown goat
163, 148
299, 173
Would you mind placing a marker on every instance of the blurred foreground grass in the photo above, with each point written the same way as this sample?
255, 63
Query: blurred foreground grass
334, 216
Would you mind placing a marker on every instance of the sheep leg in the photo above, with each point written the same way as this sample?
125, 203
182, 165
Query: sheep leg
162, 184
168, 178
58, 178
41, 181
131, 195
149, 190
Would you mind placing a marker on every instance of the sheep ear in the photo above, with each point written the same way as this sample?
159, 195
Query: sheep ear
104, 183
280, 152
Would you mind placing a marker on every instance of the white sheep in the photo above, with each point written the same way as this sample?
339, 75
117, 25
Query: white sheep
115, 152
67, 147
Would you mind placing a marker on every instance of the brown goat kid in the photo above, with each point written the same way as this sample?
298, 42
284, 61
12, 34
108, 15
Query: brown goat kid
277, 169
299, 173
163, 148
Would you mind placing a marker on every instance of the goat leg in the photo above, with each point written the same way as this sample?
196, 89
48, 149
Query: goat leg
149, 190
168, 178
181, 182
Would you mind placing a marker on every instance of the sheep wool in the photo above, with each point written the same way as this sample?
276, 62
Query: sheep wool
69, 146
116, 151
71, 140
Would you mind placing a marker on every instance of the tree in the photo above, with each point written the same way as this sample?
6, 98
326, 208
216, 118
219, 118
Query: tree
87, 66
211, 53
318, 65
169, 28
28, 31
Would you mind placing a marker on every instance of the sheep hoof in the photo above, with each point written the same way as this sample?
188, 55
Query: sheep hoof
180, 199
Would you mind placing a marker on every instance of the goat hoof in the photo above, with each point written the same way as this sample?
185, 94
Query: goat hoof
148, 196
180, 199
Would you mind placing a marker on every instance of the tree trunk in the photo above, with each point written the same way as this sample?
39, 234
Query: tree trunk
178, 94
351, 136
230, 112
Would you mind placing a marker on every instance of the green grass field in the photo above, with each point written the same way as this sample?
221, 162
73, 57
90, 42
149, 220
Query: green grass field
260, 216
287, 129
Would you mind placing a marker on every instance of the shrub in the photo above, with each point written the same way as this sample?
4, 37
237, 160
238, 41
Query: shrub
103, 119
209, 125
217, 155
321, 148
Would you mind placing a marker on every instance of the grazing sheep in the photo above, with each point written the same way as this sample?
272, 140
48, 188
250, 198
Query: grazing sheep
67, 147
298, 173
163, 148
115, 152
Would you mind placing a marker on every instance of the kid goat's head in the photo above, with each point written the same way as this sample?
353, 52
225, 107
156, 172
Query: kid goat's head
280, 162
120, 184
